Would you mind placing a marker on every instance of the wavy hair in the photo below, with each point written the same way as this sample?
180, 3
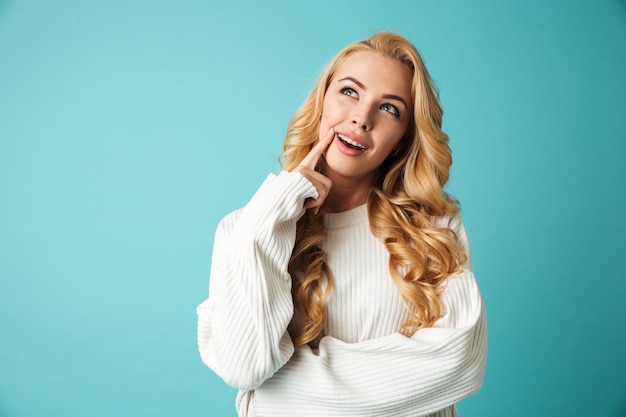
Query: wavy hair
406, 195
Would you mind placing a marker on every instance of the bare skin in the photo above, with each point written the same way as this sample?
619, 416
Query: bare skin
367, 108
321, 183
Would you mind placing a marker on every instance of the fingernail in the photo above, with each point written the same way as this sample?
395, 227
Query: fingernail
331, 130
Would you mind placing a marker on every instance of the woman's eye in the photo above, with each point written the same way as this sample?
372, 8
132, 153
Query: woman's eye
348, 91
391, 109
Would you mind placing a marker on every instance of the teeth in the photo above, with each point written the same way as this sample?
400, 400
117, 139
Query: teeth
351, 142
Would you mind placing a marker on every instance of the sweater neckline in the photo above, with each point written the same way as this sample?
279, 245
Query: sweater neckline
346, 218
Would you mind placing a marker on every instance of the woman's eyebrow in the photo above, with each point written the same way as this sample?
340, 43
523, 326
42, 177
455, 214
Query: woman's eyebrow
394, 97
389, 96
354, 80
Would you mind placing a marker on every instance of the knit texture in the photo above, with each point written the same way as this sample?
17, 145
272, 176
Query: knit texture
362, 366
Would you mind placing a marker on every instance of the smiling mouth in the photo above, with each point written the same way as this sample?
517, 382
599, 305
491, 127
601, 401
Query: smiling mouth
350, 143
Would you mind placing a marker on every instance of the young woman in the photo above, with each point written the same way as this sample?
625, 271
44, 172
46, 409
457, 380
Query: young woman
344, 287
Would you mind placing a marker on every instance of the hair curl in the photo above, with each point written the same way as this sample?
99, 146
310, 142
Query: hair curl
407, 193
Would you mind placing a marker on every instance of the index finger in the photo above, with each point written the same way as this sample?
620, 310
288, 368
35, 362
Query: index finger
310, 160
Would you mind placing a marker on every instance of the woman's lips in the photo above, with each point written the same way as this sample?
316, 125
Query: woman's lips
351, 142
348, 146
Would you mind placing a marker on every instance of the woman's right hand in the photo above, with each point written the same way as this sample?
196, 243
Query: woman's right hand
307, 168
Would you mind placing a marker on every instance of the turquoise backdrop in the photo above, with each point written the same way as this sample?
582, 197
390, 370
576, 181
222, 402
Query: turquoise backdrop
129, 128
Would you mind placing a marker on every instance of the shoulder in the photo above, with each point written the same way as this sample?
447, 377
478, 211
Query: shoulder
452, 221
230, 219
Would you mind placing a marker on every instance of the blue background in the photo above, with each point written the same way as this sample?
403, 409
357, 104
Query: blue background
129, 128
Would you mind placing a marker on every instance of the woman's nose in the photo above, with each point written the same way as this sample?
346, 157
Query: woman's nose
361, 118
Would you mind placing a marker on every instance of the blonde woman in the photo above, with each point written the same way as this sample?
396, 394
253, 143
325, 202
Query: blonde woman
344, 287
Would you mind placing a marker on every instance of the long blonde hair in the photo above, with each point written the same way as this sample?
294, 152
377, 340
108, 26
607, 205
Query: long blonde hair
406, 195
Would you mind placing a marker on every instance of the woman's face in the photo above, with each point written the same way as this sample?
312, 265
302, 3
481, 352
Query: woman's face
369, 104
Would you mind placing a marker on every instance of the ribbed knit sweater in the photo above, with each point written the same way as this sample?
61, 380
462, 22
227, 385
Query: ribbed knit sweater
362, 366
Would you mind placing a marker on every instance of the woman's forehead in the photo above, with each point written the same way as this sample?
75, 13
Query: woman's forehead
375, 71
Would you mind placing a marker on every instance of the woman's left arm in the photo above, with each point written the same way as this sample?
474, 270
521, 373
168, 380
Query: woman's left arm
393, 375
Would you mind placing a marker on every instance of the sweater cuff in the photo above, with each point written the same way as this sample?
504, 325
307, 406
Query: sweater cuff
280, 198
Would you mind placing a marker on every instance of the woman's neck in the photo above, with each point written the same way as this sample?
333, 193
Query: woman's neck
346, 194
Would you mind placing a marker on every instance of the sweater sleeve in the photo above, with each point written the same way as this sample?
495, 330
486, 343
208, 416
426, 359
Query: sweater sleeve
242, 326
392, 375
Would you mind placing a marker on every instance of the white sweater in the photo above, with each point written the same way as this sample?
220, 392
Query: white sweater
363, 366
